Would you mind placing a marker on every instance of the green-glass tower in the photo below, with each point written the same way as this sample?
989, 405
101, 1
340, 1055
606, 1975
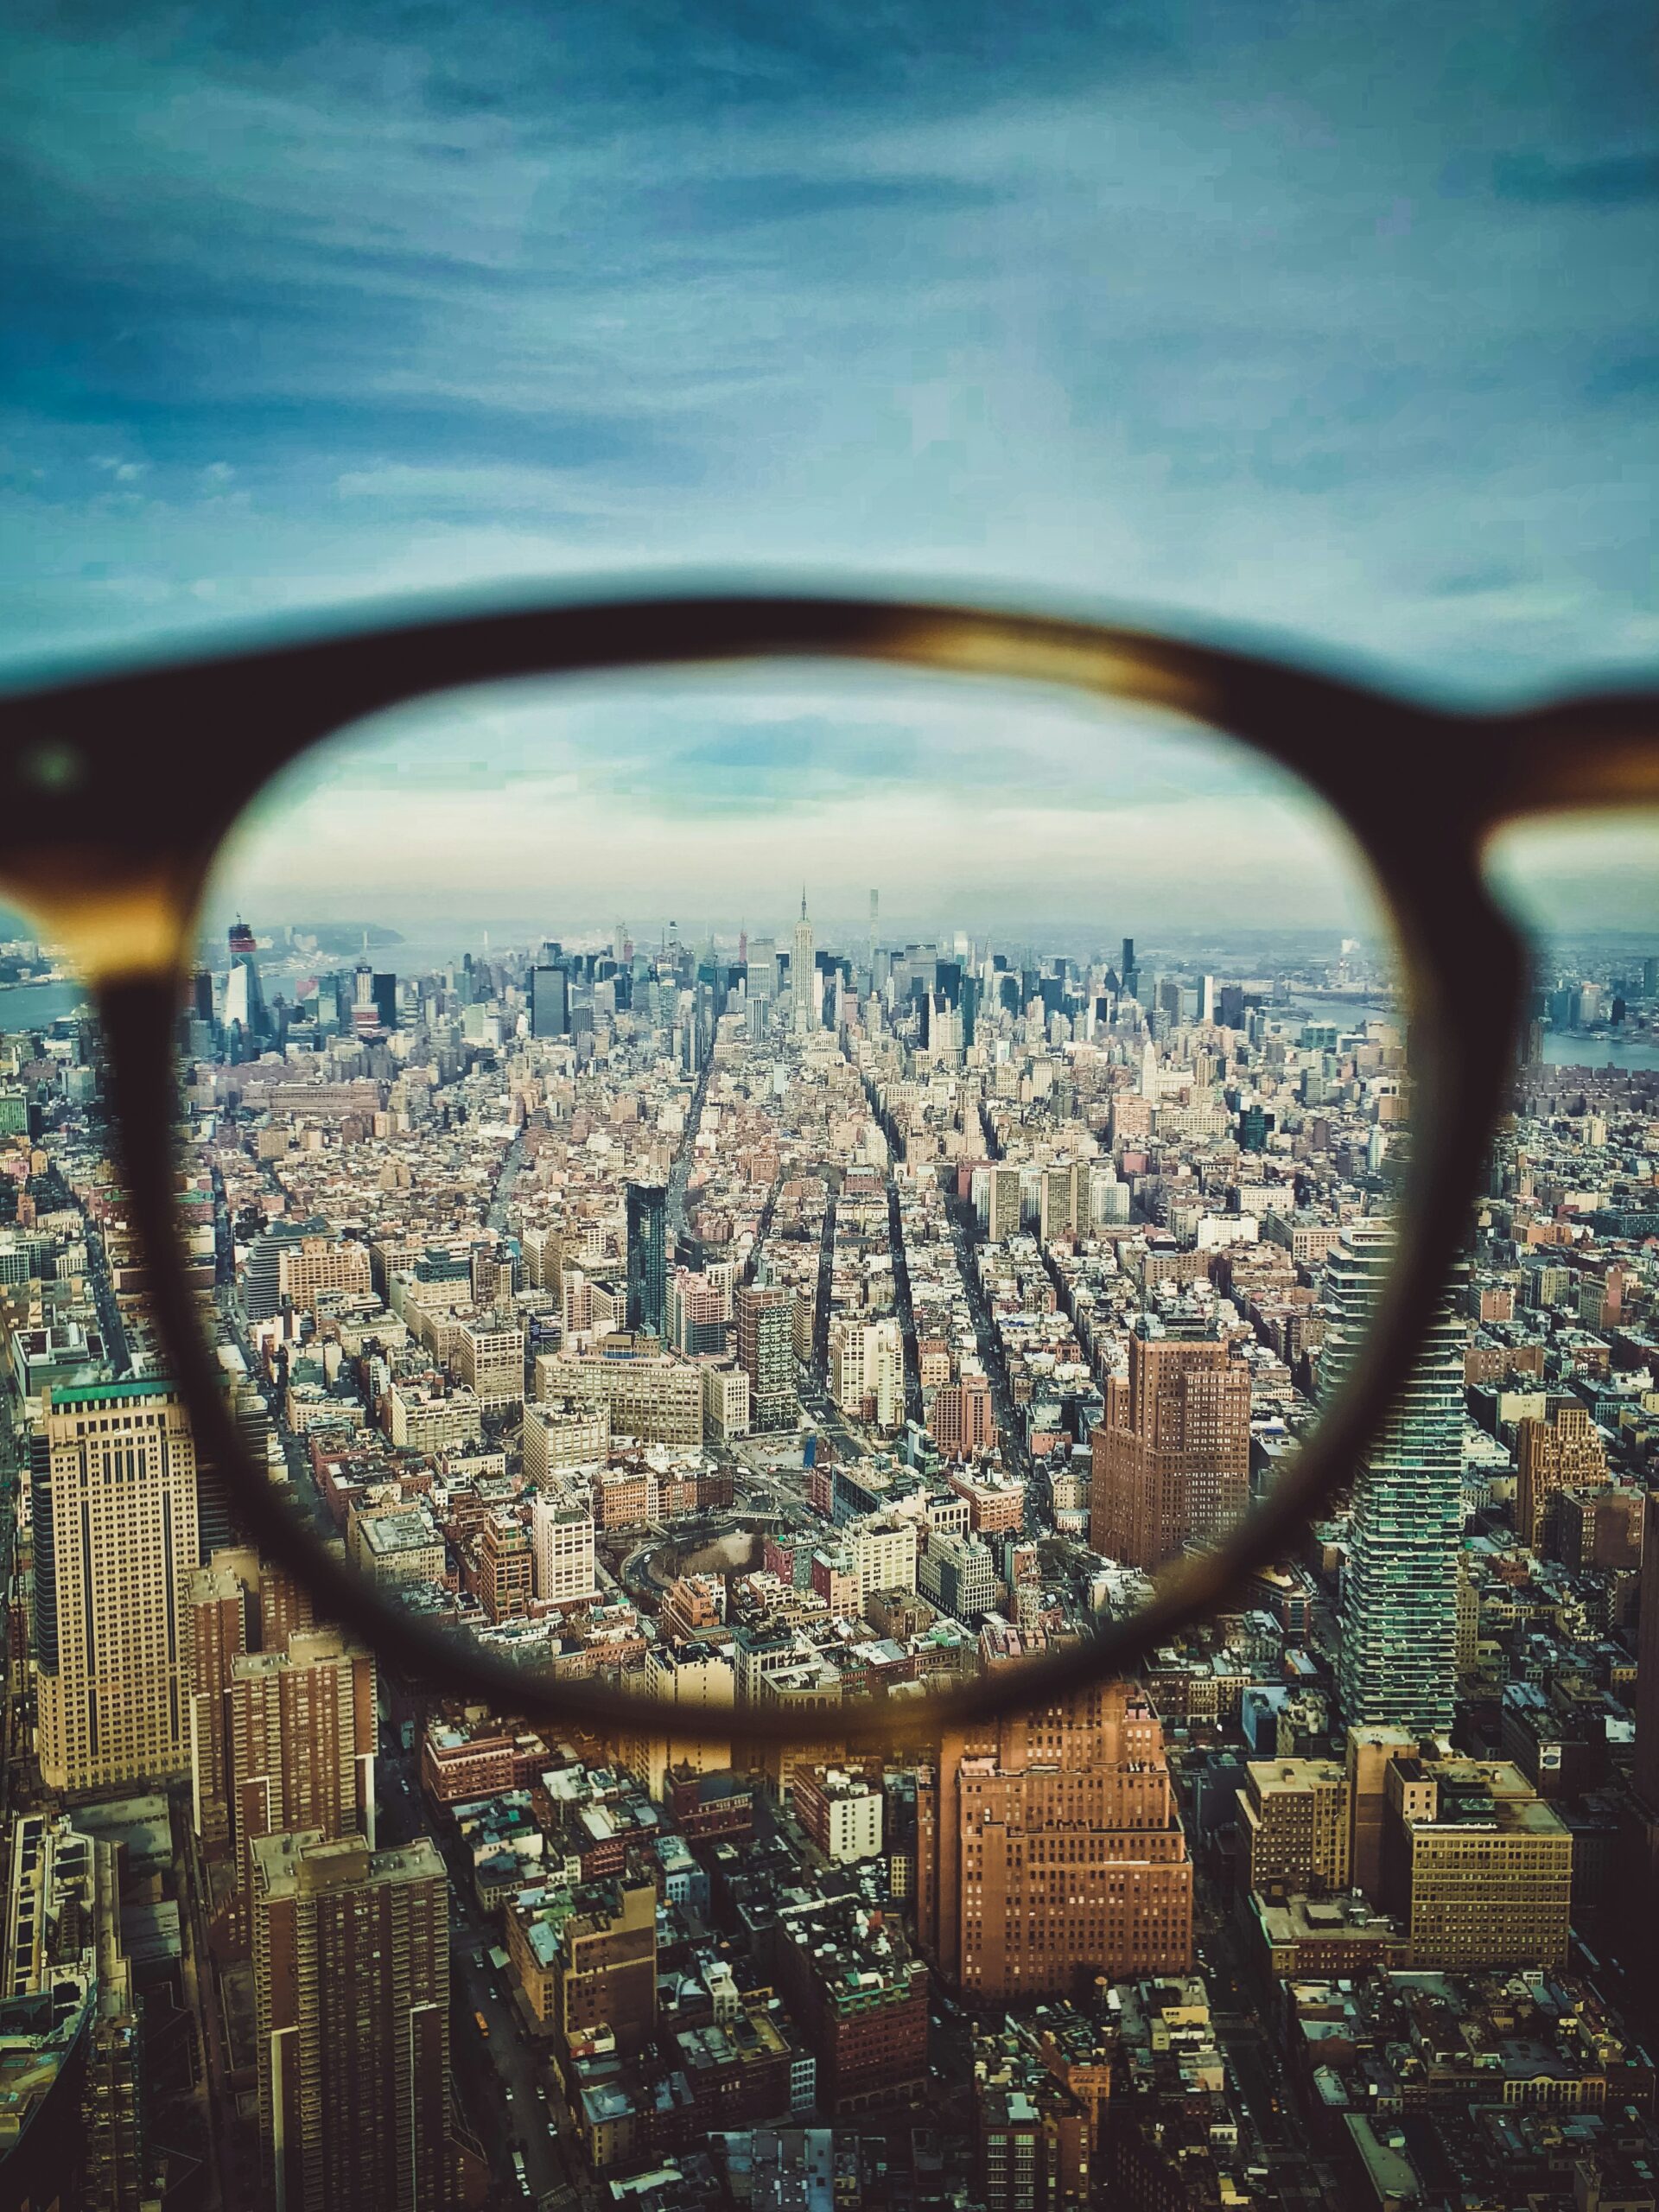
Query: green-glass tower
1397, 1660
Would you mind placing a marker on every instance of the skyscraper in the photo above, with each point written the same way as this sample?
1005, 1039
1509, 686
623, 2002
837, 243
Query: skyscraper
1177, 1471
245, 997
351, 1950
766, 1352
223, 1610
1647, 1666
550, 1002
114, 1478
804, 975
562, 1543
1561, 1452
1048, 1847
1397, 1660
762, 982
301, 1729
647, 1224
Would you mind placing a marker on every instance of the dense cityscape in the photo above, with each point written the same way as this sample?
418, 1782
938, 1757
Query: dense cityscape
812, 1321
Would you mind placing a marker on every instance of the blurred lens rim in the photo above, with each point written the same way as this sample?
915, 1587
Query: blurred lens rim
117, 859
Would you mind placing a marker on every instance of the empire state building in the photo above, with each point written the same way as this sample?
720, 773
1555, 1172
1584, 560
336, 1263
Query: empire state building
802, 975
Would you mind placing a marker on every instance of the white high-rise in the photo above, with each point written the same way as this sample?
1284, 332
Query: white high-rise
562, 1542
867, 1360
803, 978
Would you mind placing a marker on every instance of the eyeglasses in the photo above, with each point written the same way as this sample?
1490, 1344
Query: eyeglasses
123, 792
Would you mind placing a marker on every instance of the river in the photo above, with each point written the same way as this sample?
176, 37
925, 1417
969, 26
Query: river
1563, 1050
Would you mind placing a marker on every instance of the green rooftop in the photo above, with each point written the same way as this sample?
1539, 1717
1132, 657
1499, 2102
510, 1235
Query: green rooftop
86, 1394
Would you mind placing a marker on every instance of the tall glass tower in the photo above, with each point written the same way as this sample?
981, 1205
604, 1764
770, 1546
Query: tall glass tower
245, 997
647, 1221
1397, 1662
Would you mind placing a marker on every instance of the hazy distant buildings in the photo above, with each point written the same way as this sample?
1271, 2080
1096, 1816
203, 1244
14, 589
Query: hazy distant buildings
761, 986
245, 1014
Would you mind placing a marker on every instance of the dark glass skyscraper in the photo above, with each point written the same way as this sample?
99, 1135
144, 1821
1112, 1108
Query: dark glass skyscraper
550, 1002
647, 1215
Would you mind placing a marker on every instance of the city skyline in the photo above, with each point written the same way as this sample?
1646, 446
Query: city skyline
816, 1340
665, 793
788, 1193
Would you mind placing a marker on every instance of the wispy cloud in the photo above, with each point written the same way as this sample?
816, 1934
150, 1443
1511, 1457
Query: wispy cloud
1265, 313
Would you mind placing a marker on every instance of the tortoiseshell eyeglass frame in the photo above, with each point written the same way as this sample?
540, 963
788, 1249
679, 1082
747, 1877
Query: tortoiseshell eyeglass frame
115, 791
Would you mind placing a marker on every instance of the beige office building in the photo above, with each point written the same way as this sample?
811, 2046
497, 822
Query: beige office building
113, 1473
1478, 1866
653, 1397
490, 1361
570, 1433
423, 1421
396, 1544
725, 1402
314, 1265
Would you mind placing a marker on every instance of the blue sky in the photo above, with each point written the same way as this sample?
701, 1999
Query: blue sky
1330, 322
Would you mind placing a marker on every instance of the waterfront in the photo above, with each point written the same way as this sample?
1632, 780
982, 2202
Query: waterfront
1564, 1049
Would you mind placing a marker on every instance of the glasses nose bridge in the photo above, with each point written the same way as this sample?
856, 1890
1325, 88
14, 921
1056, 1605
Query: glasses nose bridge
117, 915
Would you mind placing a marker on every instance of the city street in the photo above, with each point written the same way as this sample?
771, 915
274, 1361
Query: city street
500, 2079
1254, 2052
1008, 1428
